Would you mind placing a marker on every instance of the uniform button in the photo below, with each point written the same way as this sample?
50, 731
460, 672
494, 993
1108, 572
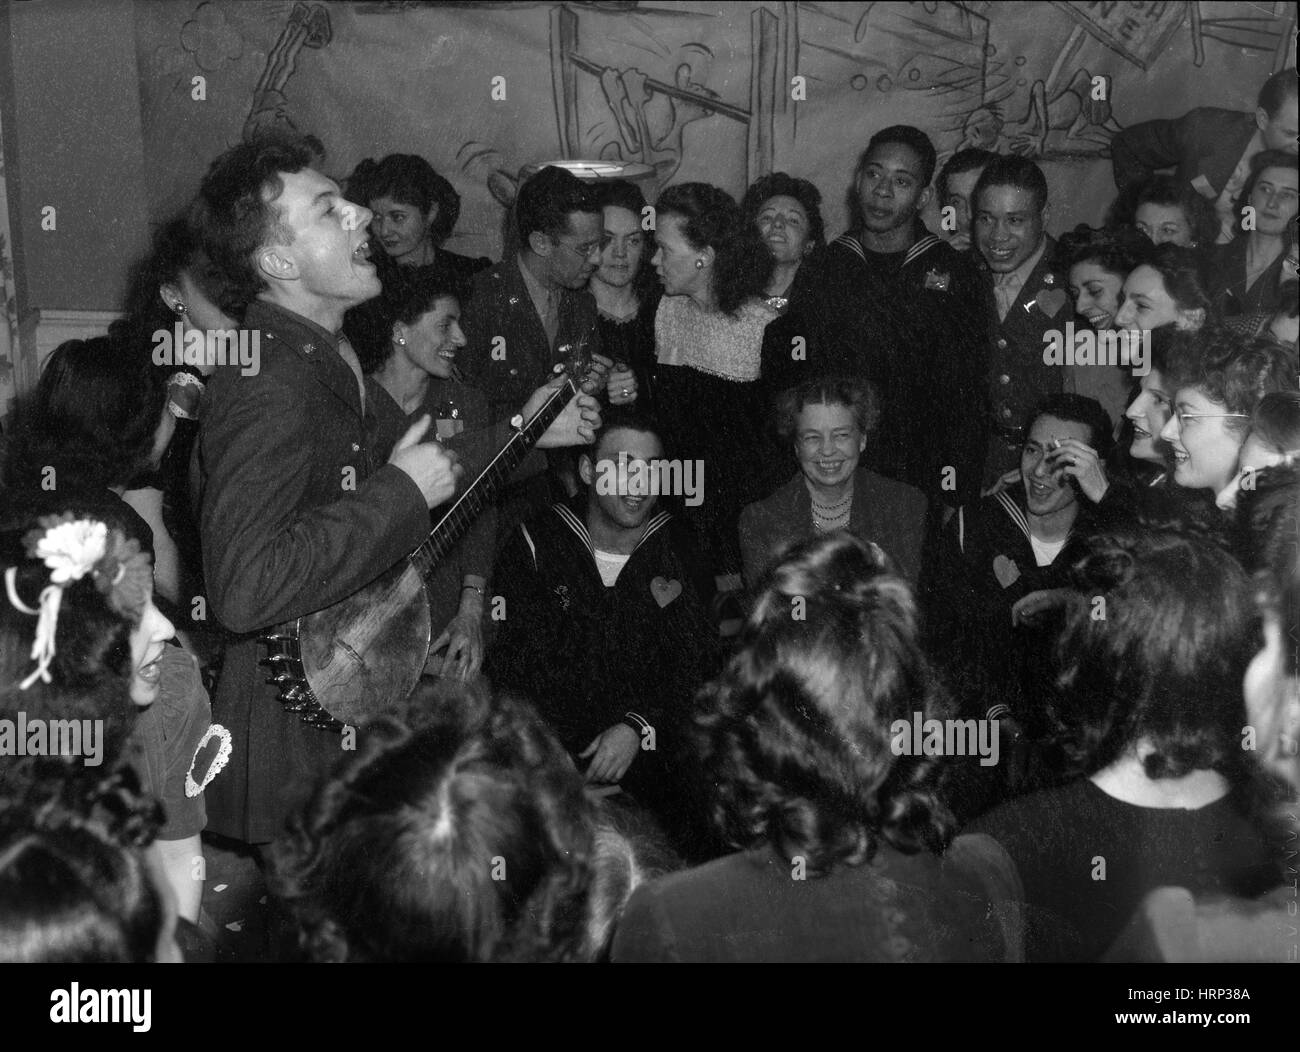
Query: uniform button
514, 372
1004, 379
1002, 344
356, 448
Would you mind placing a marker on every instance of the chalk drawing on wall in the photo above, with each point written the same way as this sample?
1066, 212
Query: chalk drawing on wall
308, 27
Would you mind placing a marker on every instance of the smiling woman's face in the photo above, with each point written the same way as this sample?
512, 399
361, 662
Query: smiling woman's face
828, 443
148, 637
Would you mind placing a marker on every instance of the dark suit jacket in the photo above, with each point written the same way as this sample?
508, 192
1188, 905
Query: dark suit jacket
888, 513
499, 306
287, 531
1203, 144
1225, 268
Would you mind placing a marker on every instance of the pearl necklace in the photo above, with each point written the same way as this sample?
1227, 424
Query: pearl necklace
834, 516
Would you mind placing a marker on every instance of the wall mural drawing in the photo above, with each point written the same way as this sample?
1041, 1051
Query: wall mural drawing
697, 91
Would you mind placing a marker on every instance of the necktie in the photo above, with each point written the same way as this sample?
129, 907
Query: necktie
552, 320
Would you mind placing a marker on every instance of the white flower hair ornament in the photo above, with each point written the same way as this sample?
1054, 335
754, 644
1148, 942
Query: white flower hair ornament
72, 548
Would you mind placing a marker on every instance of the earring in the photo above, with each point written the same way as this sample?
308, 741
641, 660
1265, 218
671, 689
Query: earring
699, 264
401, 341
179, 308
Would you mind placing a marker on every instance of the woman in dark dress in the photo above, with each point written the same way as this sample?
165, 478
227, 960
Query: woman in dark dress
415, 212
836, 828
708, 344
627, 291
1149, 711
1246, 274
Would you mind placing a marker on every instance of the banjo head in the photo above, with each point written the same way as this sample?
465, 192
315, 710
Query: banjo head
366, 653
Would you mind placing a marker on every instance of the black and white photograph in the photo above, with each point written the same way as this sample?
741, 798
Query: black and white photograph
646, 483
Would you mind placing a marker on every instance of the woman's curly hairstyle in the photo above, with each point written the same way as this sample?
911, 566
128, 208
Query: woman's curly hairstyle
74, 888
1117, 251
1154, 647
857, 395
1168, 192
92, 417
408, 294
795, 734
459, 835
781, 184
410, 180
712, 219
1232, 372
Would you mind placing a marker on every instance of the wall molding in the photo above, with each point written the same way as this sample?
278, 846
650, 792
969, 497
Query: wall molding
41, 330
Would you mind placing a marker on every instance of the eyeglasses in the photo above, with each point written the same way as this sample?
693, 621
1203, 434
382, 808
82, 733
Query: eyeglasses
1184, 417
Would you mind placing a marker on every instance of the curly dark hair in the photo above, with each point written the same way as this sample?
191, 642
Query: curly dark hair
92, 416
1116, 250
1181, 271
795, 734
1165, 663
859, 395
459, 832
1215, 362
74, 887
176, 250
781, 184
235, 212
1014, 171
1269, 521
409, 293
712, 219
410, 180
1171, 193
1078, 409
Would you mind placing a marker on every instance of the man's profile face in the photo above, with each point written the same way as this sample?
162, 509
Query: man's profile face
1281, 128
575, 252
329, 245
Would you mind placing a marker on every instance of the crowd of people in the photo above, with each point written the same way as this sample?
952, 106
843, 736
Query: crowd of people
911, 595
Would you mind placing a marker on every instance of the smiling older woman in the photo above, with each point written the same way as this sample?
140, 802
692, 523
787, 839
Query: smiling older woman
829, 422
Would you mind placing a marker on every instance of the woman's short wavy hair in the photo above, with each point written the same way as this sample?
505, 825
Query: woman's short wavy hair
1165, 662
857, 395
1234, 373
410, 180
1168, 192
74, 887
1117, 250
462, 834
795, 734
712, 219
92, 417
782, 184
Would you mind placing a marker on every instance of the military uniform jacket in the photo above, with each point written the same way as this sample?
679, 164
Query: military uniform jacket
500, 309
1018, 378
297, 510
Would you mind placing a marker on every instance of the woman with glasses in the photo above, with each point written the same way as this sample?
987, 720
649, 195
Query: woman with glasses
828, 423
1218, 387
1247, 272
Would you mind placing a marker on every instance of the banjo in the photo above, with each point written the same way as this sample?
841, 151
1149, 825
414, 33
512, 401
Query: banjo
331, 666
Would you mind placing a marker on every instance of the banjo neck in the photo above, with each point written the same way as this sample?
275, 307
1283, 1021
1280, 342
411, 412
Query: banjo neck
483, 490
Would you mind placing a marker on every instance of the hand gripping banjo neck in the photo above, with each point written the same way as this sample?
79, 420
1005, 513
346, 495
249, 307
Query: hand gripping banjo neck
338, 666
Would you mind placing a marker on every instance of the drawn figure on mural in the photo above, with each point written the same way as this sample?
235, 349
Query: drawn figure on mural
308, 27
651, 121
1071, 124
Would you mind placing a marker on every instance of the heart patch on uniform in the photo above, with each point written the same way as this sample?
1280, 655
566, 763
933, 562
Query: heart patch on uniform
1006, 571
665, 591
1051, 301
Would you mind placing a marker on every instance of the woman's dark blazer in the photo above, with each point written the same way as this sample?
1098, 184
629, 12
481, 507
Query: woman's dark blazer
888, 513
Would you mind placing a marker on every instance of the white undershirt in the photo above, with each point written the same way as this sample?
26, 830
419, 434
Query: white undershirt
1045, 552
610, 564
